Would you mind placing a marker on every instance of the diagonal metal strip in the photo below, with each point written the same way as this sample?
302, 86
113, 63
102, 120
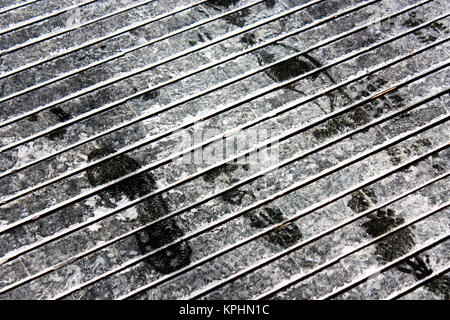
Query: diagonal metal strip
297, 216
17, 6
44, 17
146, 141
127, 51
402, 293
183, 100
234, 186
275, 196
385, 267
160, 62
280, 287
194, 96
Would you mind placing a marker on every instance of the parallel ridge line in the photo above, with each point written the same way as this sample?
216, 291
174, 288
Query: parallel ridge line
272, 228
206, 116
297, 279
34, 20
17, 6
229, 218
49, 36
232, 187
158, 63
411, 288
97, 40
383, 268
126, 51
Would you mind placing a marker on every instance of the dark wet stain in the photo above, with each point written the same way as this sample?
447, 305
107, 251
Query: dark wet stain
248, 39
289, 69
438, 168
440, 286
61, 116
397, 154
222, 3
394, 154
419, 267
440, 26
226, 168
359, 201
170, 259
57, 134
413, 20
153, 94
200, 38
193, 42
235, 196
270, 3
239, 18
437, 164
340, 123
33, 117
284, 236
395, 98
398, 244
208, 35
425, 36
379, 223
424, 142
361, 115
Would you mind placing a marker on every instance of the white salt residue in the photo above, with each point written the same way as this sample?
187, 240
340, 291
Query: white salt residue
7, 140
414, 205
208, 55
95, 227
129, 214
141, 40
76, 277
56, 277
99, 210
99, 262
32, 151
